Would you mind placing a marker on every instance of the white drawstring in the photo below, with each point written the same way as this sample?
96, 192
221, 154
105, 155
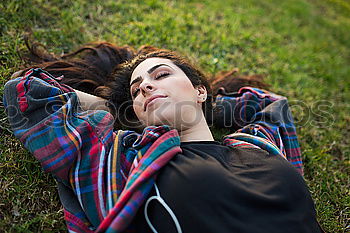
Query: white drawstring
165, 205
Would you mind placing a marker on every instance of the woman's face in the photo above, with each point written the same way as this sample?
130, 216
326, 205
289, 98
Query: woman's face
163, 95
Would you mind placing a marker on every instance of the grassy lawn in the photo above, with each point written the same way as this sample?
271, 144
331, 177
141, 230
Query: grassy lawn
302, 46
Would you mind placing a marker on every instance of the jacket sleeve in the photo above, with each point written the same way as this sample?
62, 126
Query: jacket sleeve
47, 118
263, 114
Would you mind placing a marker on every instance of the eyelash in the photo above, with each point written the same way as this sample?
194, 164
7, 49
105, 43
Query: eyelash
158, 76
136, 91
161, 75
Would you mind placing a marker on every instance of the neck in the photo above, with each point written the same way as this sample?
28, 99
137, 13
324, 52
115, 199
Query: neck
198, 132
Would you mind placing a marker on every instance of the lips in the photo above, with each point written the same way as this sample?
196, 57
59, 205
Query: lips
150, 99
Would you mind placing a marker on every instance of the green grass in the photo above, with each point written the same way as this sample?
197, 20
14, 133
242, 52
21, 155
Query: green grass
302, 46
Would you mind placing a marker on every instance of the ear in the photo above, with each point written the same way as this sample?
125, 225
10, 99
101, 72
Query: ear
201, 93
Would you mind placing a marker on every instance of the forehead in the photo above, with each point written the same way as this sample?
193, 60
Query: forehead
147, 64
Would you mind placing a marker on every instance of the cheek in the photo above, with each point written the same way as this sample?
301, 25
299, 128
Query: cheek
182, 89
138, 108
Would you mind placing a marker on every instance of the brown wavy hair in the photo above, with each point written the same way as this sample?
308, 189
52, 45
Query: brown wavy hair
85, 69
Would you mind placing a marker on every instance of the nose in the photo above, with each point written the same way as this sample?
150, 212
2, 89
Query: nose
147, 87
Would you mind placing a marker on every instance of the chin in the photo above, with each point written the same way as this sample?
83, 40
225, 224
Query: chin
163, 115
172, 115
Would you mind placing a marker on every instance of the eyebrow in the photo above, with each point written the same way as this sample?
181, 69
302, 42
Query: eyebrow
155, 67
138, 79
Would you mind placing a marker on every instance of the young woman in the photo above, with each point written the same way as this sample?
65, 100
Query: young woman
172, 177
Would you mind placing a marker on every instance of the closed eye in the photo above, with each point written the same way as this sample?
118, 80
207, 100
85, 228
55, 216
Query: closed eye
161, 75
136, 92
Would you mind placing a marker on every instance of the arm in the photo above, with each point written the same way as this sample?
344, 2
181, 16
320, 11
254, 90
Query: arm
260, 113
47, 117
87, 101
91, 102
70, 143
